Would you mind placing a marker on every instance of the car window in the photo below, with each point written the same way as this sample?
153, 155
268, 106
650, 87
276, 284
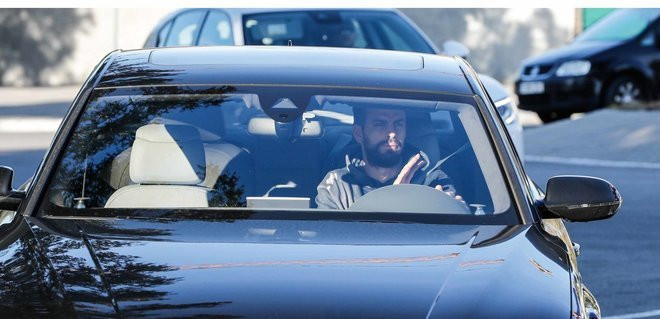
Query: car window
216, 30
162, 34
394, 39
620, 25
137, 148
184, 29
356, 29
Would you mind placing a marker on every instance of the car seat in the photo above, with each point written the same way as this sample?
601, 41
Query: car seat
167, 164
222, 161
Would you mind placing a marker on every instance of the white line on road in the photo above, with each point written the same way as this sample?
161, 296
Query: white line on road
637, 315
589, 162
29, 124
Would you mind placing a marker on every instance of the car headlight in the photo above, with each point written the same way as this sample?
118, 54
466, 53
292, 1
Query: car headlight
574, 68
507, 110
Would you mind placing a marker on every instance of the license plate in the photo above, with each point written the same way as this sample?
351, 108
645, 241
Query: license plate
531, 88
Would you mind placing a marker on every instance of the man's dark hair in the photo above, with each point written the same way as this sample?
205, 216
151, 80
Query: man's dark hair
359, 115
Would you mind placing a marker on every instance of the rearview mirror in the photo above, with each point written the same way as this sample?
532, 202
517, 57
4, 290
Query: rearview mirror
452, 48
9, 198
581, 198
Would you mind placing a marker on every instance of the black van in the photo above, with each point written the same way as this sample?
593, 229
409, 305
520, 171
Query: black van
615, 61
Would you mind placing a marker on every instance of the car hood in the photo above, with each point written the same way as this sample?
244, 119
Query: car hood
246, 269
573, 51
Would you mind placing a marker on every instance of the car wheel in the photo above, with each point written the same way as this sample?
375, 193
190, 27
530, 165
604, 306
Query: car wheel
624, 91
551, 116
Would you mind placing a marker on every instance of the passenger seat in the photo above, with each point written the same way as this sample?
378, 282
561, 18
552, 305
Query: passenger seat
167, 164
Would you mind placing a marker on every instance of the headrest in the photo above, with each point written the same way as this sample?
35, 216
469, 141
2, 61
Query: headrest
167, 154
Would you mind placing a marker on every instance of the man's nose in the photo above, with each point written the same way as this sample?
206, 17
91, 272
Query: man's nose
391, 134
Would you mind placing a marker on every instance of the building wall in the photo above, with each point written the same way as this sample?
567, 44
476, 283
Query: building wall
114, 29
62, 46
498, 39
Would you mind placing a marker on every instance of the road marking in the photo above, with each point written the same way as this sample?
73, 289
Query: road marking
645, 314
589, 162
29, 124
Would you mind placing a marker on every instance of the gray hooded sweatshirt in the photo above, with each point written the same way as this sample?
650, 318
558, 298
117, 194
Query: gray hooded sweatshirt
340, 188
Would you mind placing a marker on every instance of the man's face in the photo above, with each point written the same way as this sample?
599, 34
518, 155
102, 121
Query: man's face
382, 136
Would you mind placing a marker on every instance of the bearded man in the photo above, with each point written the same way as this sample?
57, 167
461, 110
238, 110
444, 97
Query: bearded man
383, 159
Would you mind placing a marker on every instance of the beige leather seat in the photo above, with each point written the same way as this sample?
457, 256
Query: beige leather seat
167, 164
222, 159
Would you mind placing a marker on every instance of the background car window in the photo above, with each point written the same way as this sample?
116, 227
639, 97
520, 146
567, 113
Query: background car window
356, 29
185, 29
620, 25
216, 30
162, 35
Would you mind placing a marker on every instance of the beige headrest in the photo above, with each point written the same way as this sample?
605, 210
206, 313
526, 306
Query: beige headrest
167, 154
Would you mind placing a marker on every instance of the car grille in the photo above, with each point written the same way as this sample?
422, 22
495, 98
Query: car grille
541, 69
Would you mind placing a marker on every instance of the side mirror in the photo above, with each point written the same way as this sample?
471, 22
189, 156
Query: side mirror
451, 47
9, 198
581, 198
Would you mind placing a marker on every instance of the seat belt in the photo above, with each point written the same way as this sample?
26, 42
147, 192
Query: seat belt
341, 144
434, 172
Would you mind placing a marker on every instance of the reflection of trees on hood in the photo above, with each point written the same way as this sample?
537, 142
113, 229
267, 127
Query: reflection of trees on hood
48, 275
108, 127
28, 288
130, 278
127, 275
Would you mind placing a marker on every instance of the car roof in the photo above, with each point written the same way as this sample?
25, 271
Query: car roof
321, 66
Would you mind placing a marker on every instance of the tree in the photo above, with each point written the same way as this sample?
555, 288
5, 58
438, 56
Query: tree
36, 40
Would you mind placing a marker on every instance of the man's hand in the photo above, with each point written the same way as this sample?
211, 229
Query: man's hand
451, 194
408, 170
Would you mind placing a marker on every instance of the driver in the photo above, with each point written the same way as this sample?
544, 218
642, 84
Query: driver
383, 159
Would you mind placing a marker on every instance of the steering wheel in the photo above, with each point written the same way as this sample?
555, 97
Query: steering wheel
411, 198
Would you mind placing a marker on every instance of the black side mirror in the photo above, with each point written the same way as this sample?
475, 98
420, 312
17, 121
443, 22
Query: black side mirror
581, 198
9, 198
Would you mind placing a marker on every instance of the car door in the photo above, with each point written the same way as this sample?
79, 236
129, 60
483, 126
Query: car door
647, 53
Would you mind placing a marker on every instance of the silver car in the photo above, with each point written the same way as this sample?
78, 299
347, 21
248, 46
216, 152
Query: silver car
386, 29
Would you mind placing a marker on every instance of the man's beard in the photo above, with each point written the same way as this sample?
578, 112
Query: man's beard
386, 160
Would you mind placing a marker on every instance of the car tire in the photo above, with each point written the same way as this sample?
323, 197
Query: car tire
552, 116
624, 91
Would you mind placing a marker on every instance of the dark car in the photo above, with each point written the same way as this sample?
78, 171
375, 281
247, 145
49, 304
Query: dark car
614, 62
187, 182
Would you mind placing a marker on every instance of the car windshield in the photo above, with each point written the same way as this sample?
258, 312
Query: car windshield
620, 25
353, 29
285, 148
